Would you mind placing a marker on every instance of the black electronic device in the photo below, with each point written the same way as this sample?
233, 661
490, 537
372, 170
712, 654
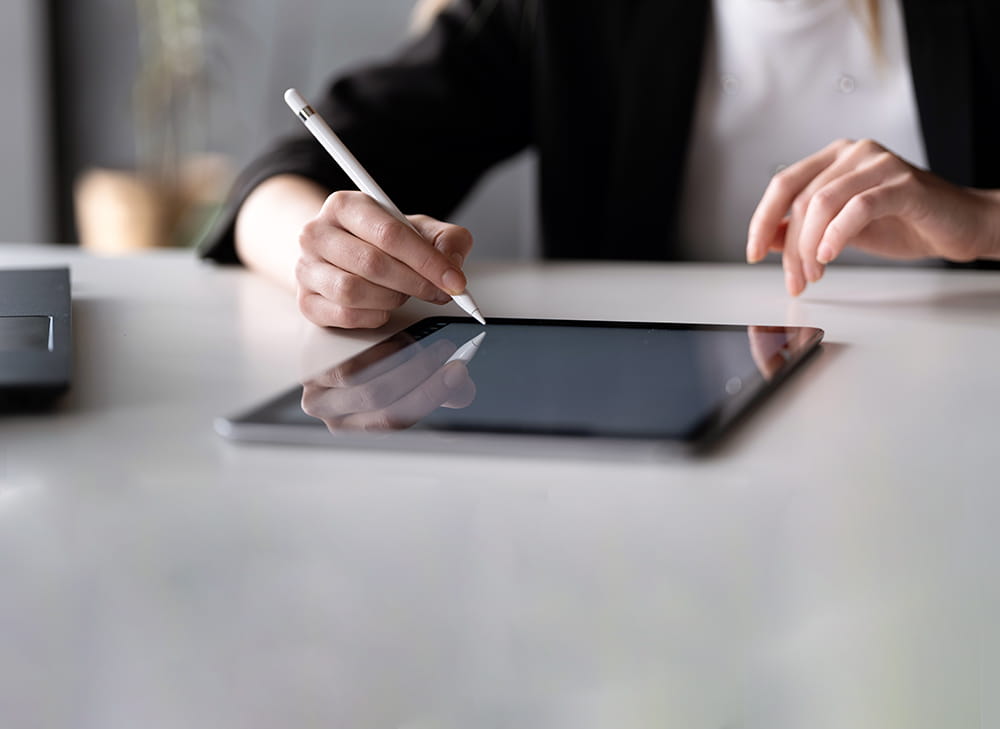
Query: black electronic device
535, 385
36, 343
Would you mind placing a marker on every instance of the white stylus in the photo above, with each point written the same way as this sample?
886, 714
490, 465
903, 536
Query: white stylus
467, 351
350, 165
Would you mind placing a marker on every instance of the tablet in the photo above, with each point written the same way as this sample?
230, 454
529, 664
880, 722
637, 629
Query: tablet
535, 385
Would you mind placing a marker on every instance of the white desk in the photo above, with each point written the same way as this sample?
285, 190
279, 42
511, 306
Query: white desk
832, 566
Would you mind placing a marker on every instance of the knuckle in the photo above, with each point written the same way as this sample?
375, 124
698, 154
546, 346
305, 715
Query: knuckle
833, 234
370, 263
870, 146
347, 289
387, 233
863, 204
909, 178
338, 203
781, 182
311, 234
309, 306
885, 160
800, 206
823, 200
842, 144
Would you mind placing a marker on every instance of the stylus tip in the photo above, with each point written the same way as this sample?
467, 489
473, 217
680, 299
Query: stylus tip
478, 317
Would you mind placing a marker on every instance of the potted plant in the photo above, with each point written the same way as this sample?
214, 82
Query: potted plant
177, 182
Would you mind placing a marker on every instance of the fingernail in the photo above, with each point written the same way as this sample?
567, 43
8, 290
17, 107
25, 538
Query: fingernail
457, 258
825, 253
441, 298
454, 281
751, 253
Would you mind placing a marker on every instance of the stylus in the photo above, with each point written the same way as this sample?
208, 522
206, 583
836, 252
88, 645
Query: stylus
360, 177
467, 351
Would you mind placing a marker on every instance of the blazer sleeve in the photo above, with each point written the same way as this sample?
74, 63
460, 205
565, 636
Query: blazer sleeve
426, 124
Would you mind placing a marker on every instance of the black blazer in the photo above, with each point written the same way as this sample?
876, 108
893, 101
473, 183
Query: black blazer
604, 90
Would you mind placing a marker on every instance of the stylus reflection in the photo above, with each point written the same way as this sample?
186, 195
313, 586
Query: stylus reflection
392, 386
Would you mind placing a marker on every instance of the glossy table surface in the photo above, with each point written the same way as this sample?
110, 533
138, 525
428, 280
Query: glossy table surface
835, 564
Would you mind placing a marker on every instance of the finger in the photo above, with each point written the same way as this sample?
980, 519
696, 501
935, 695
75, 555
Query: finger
367, 220
781, 192
345, 288
777, 245
348, 252
852, 156
847, 156
453, 241
791, 263
859, 213
829, 199
382, 391
320, 310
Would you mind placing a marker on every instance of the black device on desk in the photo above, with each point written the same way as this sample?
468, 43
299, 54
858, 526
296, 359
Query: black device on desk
36, 346
536, 384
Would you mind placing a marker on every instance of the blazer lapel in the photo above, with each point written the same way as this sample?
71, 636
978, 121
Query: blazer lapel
938, 33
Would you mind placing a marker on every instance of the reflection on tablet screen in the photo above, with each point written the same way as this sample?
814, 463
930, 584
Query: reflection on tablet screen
613, 380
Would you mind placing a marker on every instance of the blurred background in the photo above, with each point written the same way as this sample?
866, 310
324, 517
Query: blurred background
125, 120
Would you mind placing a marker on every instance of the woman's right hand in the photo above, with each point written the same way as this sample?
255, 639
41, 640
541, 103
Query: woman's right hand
358, 263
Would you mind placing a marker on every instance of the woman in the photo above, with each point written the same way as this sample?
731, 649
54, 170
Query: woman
658, 126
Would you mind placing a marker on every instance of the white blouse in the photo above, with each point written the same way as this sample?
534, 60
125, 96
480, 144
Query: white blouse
781, 80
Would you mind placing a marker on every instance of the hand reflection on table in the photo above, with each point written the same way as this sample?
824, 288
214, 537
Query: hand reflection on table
772, 348
392, 386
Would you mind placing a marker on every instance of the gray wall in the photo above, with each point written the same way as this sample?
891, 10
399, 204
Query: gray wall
24, 148
259, 48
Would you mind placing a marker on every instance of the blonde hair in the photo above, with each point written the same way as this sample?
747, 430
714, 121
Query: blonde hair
872, 20
424, 12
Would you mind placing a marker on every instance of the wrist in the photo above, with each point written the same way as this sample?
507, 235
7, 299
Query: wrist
269, 222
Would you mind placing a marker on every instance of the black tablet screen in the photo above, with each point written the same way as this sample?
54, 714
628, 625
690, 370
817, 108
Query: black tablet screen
570, 378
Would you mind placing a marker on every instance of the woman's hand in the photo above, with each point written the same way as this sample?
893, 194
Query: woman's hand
358, 263
859, 194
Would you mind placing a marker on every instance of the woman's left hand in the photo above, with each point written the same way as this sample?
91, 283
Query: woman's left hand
859, 194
